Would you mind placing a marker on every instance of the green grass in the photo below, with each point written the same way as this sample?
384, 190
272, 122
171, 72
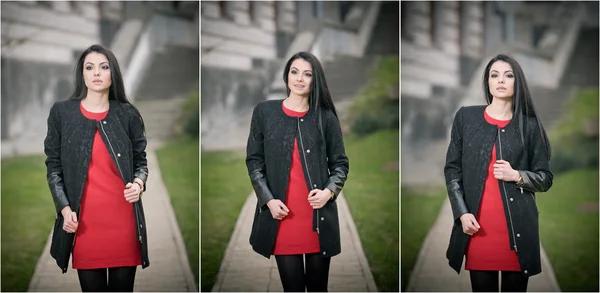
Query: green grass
419, 212
225, 187
178, 163
27, 218
569, 229
372, 194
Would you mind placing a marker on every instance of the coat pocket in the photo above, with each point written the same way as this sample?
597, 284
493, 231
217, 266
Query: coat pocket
60, 247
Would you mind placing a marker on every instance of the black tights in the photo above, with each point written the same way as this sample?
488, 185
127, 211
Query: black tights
487, 281
119, 279
293, 277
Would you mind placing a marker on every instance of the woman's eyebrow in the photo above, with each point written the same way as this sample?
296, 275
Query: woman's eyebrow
93, 63
299, 69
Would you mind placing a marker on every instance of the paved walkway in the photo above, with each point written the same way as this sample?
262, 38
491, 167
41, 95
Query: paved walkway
432, 272
169, 268
242, 269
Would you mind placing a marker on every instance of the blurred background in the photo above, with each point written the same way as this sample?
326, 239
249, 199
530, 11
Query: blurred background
245, 45
157, 47
445, 47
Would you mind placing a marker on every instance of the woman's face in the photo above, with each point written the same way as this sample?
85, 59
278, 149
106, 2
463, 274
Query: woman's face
96, 72
501, 80
300, 77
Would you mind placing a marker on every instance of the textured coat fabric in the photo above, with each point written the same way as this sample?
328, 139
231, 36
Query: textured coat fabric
269, 158
68, 148
472, 139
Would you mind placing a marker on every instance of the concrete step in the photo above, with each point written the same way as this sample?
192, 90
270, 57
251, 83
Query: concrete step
582, 68
551, 103
175, 71
161, 117
384, 39
347, 75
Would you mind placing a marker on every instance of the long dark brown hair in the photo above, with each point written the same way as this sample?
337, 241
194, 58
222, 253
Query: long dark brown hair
117, 88
522, 106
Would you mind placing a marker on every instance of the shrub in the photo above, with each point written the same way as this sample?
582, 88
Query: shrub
373, 109
191, 115
572, 148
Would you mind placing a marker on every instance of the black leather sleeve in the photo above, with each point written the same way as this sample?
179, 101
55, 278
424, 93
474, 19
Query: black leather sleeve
337, 161
255, 159
52, 149
539, 178
453, 169
138, 143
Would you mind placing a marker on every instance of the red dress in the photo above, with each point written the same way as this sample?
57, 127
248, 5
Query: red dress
106, 235
295, 234
489, 248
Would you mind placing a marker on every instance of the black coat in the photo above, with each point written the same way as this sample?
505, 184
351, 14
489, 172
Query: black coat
68, 148
472, 139
269, 158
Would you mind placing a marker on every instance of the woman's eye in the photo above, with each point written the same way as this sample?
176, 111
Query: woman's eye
308, 75
294, 72
510, 76
494, 75
105, 67
88, 68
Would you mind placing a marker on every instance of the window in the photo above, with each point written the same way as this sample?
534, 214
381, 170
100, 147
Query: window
252, 11
225, 9
345, 7
404, 21
433, 23
318, 9
46, 4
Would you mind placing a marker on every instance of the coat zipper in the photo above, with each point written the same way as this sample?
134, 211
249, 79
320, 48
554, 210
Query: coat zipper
121, 172
505, 194
307, 171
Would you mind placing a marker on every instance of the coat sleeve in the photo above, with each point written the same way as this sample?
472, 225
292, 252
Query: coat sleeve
453, 169
54, 171
337, 161
255, 159
539, 177
138, 143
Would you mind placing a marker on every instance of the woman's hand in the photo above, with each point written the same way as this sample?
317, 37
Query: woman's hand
318, 198
132, 192
469, 224
278, 209
70, 223
503, 171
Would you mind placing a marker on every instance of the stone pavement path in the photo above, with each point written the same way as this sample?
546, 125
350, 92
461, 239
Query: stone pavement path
242, 269
169, 268
433, 274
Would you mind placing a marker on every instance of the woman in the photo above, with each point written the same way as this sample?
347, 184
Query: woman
498, 158
297, 165
96, 170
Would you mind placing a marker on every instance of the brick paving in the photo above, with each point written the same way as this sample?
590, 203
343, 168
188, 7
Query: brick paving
433, 274
242, 269
169, 269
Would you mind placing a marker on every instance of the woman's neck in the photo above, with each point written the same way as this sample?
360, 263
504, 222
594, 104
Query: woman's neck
96, 101
296, 103
500, 109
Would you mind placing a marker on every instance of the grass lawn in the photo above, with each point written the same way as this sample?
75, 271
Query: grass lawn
569, 229
372, 195
225, 187
27, 218
419, 212
178, 163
